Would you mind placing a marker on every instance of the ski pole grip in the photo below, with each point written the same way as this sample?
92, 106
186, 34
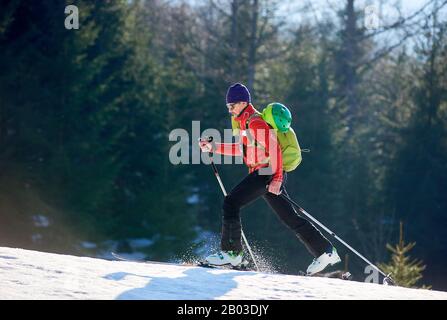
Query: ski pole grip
210, 140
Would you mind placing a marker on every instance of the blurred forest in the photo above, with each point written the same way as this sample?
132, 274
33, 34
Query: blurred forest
85, 116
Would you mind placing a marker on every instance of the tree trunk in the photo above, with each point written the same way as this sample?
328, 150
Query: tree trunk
253, 46
234, 39
350, 62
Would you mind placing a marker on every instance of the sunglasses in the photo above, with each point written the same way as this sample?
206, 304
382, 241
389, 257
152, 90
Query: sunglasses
231, 105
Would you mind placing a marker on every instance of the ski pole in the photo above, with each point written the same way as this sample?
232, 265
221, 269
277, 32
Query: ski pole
216, 173
387, 278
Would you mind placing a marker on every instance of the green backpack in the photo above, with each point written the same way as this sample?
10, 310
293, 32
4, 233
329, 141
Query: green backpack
279, 118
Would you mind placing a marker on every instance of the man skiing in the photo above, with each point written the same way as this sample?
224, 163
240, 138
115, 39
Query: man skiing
256, 140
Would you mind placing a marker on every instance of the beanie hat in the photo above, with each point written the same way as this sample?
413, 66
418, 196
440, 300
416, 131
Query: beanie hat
238, 93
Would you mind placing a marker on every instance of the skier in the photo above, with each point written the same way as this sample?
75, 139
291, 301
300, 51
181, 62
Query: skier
250, 126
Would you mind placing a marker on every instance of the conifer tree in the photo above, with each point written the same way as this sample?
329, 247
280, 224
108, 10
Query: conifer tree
405, 272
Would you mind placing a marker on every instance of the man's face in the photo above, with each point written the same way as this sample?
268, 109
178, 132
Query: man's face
236, 108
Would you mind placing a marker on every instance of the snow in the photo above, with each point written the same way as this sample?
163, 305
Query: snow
26, 274
140, 242
41, 221
88, 245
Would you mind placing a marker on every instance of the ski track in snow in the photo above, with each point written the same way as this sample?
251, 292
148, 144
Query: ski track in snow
26, 274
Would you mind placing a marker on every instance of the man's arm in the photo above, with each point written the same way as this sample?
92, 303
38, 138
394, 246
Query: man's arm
228, 149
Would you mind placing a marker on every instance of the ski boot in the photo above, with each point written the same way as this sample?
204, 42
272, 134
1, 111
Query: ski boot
224, 258
319, 264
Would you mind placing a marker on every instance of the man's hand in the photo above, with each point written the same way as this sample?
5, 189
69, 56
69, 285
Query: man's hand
205, 145
275, 187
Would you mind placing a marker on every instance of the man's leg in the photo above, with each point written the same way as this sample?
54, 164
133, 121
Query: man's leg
310, 236
248, 190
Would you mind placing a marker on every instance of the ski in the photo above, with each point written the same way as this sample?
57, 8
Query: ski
335, 275
242, 267
121, 258
203, 264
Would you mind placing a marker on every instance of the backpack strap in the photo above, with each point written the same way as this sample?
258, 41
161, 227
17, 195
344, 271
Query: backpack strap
250, 137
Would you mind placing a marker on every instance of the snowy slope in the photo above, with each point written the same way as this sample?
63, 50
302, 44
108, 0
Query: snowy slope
28, 274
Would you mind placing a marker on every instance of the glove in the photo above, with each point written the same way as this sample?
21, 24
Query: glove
205, 145
275, 187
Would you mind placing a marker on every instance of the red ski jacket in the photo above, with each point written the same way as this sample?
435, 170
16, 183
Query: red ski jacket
256, 153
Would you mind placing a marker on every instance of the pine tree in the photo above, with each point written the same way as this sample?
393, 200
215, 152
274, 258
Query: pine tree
405, 272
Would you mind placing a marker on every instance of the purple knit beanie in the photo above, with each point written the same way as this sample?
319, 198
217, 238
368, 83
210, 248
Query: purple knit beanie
238, 93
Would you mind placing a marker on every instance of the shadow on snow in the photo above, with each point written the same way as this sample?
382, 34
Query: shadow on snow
195, 284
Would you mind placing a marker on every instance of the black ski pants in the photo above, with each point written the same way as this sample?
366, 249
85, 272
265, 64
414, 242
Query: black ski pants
249, 189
